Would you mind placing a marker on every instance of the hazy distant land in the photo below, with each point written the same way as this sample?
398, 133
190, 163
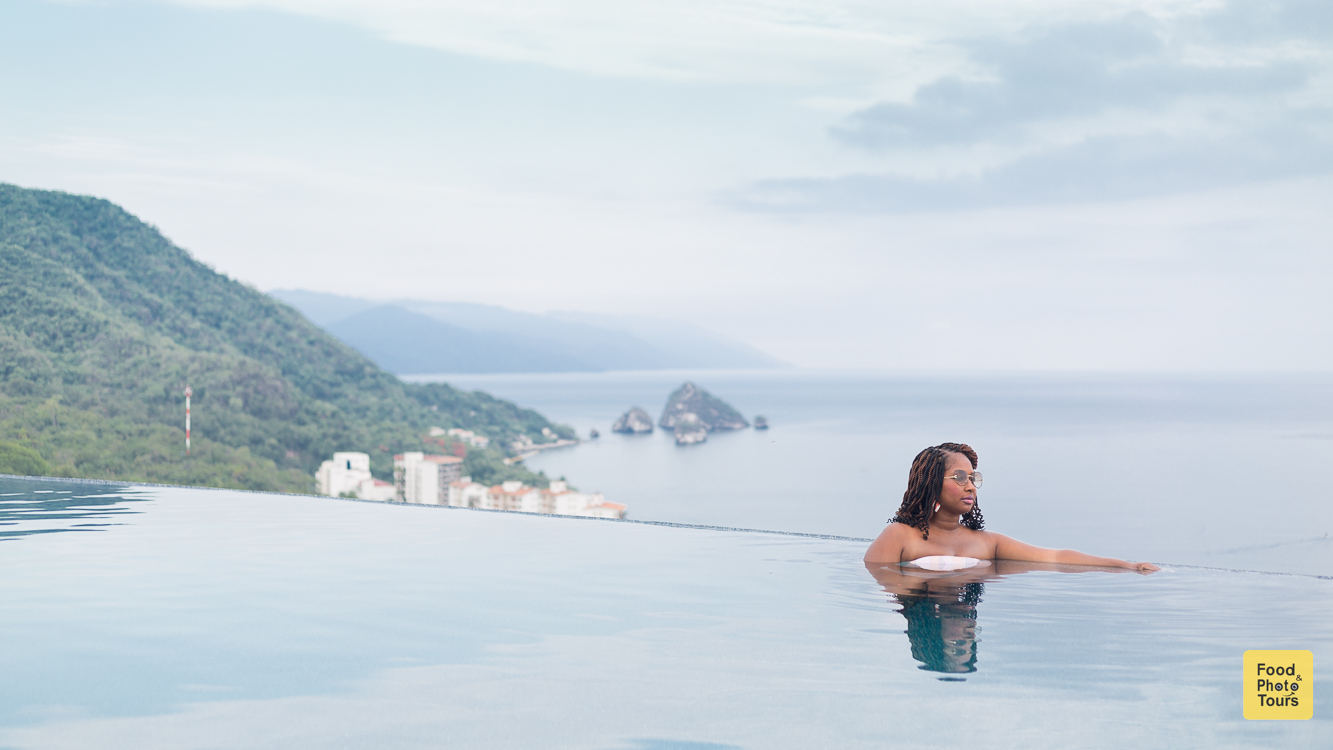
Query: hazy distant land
412, 337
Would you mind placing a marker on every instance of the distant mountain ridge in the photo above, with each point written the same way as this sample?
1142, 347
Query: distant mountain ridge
421, 337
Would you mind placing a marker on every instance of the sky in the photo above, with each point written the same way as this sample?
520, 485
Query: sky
940, 185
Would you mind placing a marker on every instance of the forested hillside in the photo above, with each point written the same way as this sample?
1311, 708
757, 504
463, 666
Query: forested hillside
103, 322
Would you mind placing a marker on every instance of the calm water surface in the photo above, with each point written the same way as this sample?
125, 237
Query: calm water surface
208, 619
1214, 471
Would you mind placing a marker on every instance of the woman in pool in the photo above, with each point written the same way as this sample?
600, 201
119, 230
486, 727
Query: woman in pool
939, 525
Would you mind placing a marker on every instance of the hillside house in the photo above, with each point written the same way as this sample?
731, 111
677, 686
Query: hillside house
348, 474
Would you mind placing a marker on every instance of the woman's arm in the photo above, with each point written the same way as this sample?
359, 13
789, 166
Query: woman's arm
1012, 549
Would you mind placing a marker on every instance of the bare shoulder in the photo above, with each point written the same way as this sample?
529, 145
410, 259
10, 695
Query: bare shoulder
992, 537
999, 543
888, 546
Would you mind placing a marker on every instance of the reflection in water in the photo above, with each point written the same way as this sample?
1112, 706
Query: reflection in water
34, 506
942, 626
941, 607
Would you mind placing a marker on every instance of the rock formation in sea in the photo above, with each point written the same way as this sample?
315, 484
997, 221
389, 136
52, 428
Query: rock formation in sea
712, 412
690, 429
634, 421
761, 423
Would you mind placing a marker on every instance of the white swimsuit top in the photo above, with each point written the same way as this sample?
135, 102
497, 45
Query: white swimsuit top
947, 562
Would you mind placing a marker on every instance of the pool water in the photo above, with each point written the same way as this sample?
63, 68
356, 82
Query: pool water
147, 617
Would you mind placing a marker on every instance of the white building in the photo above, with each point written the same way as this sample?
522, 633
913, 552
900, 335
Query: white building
602, 510
463, 436
565, 502
424, 480
348, 474
515, 496
466, 493
470, 437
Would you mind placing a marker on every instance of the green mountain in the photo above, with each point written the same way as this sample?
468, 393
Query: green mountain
103, 322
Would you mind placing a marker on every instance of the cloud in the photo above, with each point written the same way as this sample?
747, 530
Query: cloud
1124, 107
1073, 71
1097, 169
797, 42
776, 41
1272, 20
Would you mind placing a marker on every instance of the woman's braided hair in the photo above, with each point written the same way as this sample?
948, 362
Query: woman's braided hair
923, 489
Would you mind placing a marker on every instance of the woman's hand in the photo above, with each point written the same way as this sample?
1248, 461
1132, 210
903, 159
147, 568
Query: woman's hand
1142, 567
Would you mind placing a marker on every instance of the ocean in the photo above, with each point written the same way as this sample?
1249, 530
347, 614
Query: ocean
1221, 471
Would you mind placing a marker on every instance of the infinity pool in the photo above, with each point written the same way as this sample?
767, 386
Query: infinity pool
144, 617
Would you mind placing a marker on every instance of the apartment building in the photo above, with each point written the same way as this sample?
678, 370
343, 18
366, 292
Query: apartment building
423, 479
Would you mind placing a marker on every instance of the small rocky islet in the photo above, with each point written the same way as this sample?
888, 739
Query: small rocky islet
636, 421
690, 413
713, 413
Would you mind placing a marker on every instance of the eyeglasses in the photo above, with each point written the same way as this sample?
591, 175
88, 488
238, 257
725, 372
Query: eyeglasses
961, 478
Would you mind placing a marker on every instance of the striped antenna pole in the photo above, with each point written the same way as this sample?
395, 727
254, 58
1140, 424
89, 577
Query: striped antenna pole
188, 393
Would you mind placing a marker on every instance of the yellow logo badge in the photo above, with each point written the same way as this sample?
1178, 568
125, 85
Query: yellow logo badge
1278, 685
